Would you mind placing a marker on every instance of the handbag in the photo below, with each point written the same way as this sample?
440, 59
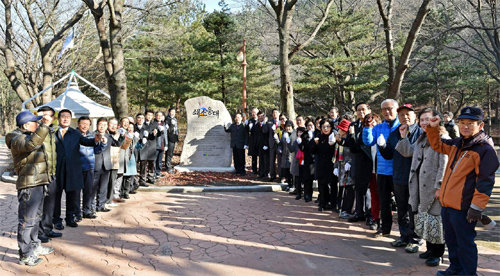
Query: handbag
429, 228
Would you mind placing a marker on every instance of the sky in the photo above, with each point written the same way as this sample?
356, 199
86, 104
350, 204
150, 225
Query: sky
212, 5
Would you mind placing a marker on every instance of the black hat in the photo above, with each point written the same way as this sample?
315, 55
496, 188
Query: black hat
472, 113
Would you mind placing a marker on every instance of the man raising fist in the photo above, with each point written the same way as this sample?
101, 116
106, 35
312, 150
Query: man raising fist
466, 188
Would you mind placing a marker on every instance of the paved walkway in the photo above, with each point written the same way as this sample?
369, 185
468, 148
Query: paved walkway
216, 234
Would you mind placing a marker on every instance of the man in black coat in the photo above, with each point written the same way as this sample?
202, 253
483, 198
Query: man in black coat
253, 149
173, 137
103, 166
263, 146
147, 155
69, 175
270, 131
362, 166
239, 141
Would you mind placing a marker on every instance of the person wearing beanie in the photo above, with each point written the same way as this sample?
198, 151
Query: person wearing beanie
342, 169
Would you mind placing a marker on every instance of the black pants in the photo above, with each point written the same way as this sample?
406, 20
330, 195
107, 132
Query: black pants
239, 160
255, 159
285, 172
29, 214
263, 162
158, 161
385, 187
169, 154
437, 250
72, 204
150, 166
113, 178
127, 186
347, 194
307, 179
100, 187
88, 205
405, 221
49, 202
360, 189
327, 191
297, 182
272, 162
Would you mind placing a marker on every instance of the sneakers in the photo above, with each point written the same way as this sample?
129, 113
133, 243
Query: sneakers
345, 215
380, 234
42, 251
30, 260
111, 204
398, 243
411, 248
433, 261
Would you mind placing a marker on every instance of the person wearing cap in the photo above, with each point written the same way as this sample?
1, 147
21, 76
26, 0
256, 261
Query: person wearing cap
342, 169
286, 155
410, 130
46, 232
69, 172
30, 163
467, 185
239, 142
374, 135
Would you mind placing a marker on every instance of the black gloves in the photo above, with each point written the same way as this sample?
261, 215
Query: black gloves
473, 215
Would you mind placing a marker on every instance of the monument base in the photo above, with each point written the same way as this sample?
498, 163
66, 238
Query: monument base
203, 169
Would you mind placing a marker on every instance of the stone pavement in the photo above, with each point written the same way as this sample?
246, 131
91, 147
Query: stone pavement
216, 234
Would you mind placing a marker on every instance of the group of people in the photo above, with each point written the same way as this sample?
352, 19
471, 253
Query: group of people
96, 170
438, 175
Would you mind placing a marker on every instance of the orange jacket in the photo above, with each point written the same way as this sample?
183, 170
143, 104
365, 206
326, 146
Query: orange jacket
470, 173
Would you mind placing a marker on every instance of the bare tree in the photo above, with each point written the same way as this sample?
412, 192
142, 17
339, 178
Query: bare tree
283, 11
112, 50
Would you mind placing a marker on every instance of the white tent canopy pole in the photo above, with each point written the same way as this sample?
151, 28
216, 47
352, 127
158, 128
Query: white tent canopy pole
72, 75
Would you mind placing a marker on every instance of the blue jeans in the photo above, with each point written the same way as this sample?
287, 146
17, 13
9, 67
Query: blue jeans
459, 236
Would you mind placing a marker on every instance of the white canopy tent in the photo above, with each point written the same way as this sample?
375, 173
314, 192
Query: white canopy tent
73, 99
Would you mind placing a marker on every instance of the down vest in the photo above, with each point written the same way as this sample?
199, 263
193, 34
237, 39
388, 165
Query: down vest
30, 158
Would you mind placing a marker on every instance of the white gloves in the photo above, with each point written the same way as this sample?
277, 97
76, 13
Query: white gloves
137, 135
347, 166
121, 131
250, 125
287, 137
331, 139
274, 127
245, 147
381, 141
265, 147
336, 172
130, 135
276, 136
299, 140
161, 128
310, 133
144, 140
146, 133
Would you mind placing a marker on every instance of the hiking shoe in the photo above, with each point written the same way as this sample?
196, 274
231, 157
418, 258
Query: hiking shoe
433, 261
30, 260
42, 251
411, 248
398, 243
425, 255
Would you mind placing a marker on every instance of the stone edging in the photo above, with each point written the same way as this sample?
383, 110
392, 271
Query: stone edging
197, 189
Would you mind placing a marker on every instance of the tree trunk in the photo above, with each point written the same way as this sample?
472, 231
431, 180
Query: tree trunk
389, 40
47, 78
118, 80
403, 65
286, 93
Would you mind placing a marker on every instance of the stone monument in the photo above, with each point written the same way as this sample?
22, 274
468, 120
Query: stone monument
206, 146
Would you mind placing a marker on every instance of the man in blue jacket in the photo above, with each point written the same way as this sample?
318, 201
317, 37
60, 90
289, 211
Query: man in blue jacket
401, 173
375, 135
69, 168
